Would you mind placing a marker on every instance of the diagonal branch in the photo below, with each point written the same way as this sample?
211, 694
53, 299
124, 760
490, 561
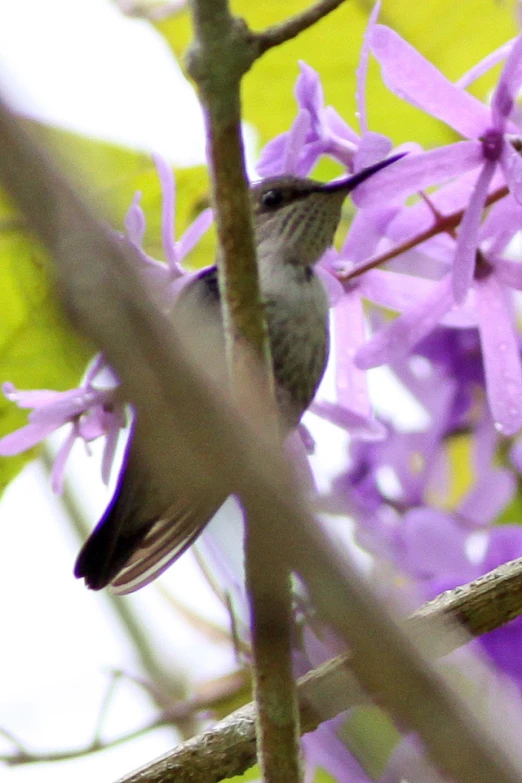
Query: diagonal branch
442, 224
228, 748
290, 28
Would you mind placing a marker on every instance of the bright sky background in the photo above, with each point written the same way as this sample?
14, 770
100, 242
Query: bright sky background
80, 64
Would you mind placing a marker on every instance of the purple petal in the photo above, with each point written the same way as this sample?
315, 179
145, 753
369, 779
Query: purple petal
97, 365
69, 405
310, 153
505, 544
194, 233
295, 142
418, 172
168, 210
372, 148
362, 68
359, 427
408, 761
25, 438
500, 225
135, 221
488, 497
96, 422
398, 338
485, 65
176, 286
515, 455
334, 289
413, 78
448, 198
509, 273
501, 356
394, 290
511, 164
338, 129
60, 460
366, 231
270, 162
433, 543
351, 383
467, 241
308, 90
31, 399
464, 316
337, 138
508, 85
109, 449
325, 750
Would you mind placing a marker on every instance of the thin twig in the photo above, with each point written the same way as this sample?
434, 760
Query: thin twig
115, 677
28, 757
442, 224
290, 28
22, 749
211, 696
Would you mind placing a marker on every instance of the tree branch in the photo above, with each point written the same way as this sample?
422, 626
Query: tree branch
290, 28
218, 78
228, 748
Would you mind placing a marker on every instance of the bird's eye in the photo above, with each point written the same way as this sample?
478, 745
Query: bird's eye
272, 198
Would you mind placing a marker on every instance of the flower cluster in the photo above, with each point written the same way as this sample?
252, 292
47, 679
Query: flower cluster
92, 411
436, 239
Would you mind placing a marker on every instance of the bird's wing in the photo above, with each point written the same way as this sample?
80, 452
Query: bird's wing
166, 540
137, 538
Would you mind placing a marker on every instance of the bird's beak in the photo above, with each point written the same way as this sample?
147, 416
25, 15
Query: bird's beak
350, 183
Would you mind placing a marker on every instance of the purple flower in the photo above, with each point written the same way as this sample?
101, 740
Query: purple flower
407, 73
167, 278
489, 305
93, 412
436, 554
89, 411
319, 130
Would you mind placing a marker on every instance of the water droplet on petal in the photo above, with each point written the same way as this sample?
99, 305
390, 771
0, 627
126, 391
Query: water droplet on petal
499, 427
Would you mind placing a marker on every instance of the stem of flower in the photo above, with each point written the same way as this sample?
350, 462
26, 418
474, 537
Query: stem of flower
440, 225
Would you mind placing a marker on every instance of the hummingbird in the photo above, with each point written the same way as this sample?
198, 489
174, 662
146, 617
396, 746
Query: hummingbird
295, 220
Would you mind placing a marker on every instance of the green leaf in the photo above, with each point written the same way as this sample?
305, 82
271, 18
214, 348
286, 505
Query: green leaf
322, 776
38, 348
512, 513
